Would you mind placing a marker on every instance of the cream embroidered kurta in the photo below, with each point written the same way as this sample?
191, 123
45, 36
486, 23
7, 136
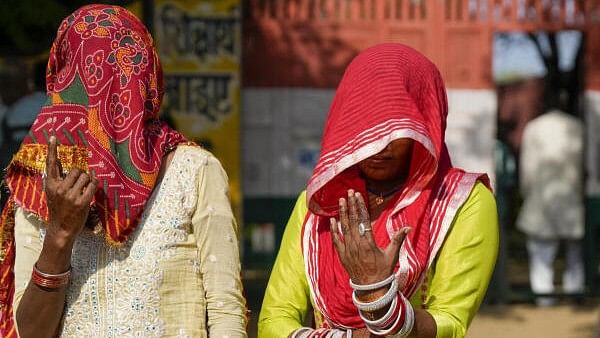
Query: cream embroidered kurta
177, 276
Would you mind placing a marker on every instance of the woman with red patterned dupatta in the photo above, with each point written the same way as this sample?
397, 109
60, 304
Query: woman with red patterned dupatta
116, 226
389, 238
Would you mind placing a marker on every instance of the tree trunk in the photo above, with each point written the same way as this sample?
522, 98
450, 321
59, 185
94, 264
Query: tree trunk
562, 90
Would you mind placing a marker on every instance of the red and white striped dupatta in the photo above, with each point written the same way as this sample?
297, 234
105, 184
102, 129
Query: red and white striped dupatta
388, 92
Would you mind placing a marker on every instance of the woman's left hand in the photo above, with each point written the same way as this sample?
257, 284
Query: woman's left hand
364, 261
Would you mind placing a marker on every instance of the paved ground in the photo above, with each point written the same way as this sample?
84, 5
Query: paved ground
527, 321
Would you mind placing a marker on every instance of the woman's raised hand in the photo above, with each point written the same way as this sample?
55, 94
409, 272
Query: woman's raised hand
364, 261
68, 199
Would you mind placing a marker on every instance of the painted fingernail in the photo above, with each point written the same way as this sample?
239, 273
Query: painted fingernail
52, 139
406, 230
350, 192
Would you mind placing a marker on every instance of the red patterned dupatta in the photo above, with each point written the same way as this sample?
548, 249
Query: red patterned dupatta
105, 86
388, 92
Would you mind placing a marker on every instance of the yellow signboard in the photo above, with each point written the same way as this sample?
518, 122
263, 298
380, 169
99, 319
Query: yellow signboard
200, 49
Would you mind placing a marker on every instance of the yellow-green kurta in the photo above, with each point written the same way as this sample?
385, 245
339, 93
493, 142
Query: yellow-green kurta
457, 281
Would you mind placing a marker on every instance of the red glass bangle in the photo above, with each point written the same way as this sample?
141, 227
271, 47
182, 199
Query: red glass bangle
50, 281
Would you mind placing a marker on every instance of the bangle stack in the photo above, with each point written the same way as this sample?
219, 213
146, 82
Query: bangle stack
307, 332
379, 303
50, 281
398, 319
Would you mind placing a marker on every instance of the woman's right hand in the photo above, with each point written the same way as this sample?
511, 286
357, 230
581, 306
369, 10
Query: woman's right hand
68, 200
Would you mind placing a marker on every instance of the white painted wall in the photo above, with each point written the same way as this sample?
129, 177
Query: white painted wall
471, 131
281, 138
282, 130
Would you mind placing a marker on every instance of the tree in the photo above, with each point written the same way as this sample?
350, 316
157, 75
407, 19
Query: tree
562, 89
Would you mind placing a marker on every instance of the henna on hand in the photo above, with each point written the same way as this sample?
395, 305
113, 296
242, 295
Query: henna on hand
364, 261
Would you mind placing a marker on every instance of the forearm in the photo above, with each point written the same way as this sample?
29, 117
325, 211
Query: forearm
425, 326
40, 310
68, 199
278, 327
398, 317
219, 264
226, 314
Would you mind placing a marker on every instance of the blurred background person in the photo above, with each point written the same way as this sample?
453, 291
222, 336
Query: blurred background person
551, 183
19, 116
13, 90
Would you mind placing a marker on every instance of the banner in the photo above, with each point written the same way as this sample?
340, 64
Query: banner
200, 49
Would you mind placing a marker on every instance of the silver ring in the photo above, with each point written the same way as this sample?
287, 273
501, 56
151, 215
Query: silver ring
362, 228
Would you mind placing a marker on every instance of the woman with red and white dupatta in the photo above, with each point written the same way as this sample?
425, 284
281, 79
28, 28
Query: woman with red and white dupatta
389, 238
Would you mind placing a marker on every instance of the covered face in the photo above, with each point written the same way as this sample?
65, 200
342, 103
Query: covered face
105, 84
391, 165
387, 120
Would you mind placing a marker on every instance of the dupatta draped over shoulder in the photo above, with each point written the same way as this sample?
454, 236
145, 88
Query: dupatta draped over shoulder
105, 86
388, 92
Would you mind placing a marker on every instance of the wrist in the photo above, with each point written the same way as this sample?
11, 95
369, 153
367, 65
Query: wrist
57, 238
369, 296
50, 281
56, 255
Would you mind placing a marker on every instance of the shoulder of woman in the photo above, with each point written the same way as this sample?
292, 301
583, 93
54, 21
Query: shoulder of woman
197, 155
481, 204
300, 208
481, 195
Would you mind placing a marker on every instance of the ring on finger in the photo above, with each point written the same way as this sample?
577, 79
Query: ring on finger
362, 229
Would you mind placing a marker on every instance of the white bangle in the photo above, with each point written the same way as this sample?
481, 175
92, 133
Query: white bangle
409, 319
303, 332
385, 332
379, 303
407, 326
349, 333
333, 333
373, 286
379, 322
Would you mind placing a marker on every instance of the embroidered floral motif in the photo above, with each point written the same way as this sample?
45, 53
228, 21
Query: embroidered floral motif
129, 54
119, 107
93, 68
96, 23
149, 89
